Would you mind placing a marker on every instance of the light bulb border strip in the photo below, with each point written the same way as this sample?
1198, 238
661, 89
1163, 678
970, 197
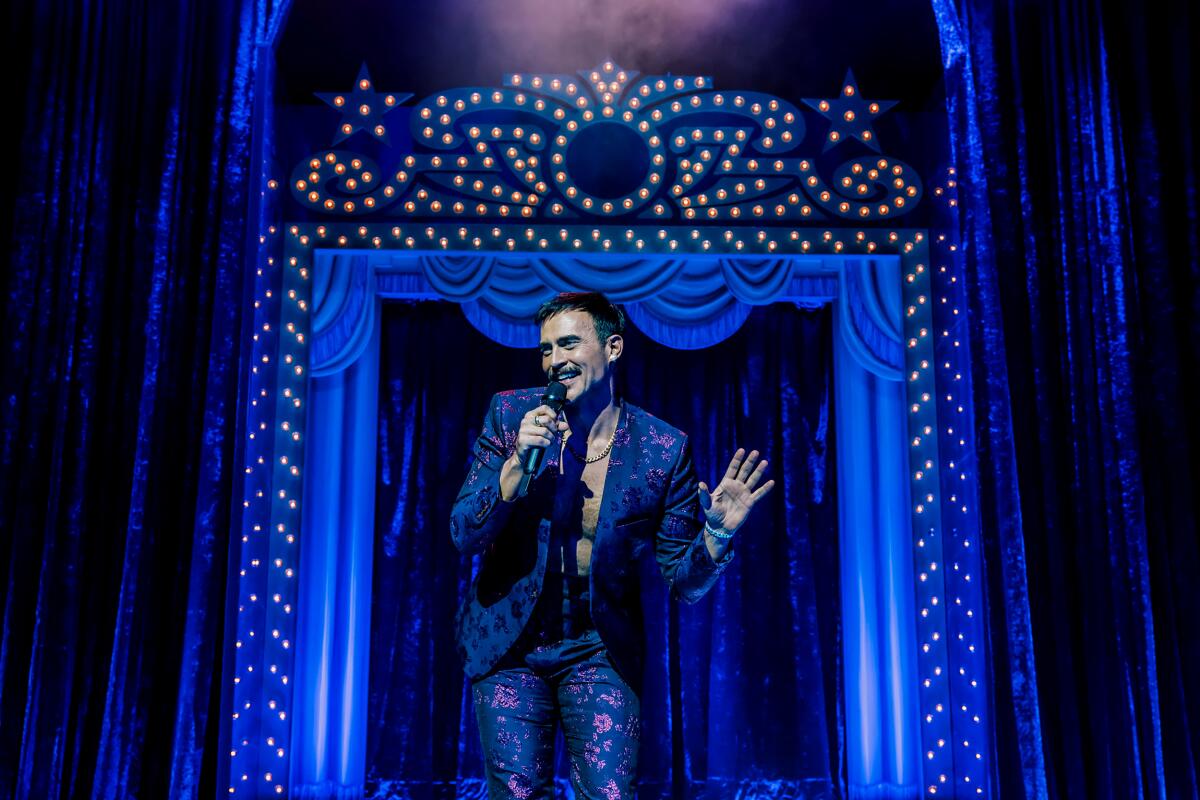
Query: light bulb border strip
292, 317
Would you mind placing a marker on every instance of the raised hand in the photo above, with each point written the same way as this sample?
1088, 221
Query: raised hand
731, 502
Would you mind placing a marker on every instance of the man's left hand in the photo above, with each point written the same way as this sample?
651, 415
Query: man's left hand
730, 503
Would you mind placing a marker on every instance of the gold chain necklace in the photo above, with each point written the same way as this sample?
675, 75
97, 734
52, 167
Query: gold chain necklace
601, 456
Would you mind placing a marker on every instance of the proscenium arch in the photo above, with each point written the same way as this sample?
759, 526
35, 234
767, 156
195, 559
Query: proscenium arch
292, 721
348, 286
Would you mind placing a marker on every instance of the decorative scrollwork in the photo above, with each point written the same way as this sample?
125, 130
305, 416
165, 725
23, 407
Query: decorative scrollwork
864, 188
345, 183
609, 145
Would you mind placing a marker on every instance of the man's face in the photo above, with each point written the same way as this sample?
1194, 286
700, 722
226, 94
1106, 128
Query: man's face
572, 354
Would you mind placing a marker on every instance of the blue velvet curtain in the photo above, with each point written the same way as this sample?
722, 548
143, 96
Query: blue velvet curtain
122, 324
1074, 133
743, 693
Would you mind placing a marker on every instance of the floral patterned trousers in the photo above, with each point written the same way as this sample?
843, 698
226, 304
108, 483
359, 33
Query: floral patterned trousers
518, 709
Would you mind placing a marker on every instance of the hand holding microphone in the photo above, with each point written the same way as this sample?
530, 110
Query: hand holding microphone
537, 431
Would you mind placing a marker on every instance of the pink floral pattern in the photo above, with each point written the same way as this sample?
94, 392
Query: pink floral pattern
516, 710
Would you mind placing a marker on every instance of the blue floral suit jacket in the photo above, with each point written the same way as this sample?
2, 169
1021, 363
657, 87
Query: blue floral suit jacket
649, 501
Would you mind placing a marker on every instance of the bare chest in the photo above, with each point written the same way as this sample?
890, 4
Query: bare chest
585, 482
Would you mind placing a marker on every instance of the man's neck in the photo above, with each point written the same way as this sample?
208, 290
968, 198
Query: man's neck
595, 416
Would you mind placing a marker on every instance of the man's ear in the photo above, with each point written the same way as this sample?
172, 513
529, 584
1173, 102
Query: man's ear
615, 346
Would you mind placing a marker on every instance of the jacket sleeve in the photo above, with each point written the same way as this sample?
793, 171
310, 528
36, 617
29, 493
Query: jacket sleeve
479, 513
679, 547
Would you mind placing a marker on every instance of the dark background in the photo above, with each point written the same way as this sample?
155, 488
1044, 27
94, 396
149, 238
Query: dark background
785, 48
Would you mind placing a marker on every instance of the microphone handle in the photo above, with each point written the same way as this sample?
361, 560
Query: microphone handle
533, 462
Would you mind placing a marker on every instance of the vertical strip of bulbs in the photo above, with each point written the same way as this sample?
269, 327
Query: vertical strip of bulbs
964, 575
928, 546
290, 361
246, 712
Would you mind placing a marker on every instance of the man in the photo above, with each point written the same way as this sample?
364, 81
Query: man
551, 629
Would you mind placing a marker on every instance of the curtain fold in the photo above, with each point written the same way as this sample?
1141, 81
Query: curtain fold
1076, 159
121, 362
687, 303
743, 691
878, 603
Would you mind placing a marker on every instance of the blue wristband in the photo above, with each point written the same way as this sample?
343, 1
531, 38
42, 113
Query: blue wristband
716, 534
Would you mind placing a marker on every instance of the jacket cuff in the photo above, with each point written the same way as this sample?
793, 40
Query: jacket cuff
702, 560
487, 506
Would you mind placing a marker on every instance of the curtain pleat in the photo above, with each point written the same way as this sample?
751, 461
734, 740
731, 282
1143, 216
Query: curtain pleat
121, 358
1076, 161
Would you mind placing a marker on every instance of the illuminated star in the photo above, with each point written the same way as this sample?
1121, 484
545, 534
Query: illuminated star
850, 114
362, 107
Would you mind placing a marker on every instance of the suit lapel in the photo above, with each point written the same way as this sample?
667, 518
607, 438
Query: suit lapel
621, 469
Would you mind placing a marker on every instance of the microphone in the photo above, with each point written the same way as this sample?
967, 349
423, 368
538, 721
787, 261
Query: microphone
555, 396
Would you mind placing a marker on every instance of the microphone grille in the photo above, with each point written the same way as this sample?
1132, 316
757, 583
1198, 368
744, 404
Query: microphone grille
556, 395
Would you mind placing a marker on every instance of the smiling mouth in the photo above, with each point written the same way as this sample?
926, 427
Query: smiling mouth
568, 377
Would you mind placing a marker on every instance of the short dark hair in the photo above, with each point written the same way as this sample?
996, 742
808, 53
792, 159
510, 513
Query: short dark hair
608, 318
